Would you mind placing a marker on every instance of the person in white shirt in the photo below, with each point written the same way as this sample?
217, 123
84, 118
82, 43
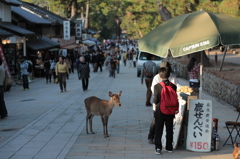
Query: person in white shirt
155, 81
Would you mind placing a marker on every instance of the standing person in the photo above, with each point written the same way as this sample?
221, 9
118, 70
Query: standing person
118, 58
148, 71
99, 61
62, 71
69, 63
160, 118
134, 59
24, 73
84, 71
130, 58
47, 66
3, 109
194, 69
155, 81
52, 69
107, 61
112, 66
124, 58
30, 71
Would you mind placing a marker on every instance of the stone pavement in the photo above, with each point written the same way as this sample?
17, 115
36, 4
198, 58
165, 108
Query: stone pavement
46, 124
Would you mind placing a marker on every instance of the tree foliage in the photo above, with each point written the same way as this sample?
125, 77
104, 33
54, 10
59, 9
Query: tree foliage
138, 16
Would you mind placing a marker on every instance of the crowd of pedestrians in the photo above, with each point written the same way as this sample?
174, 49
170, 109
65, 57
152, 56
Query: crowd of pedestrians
112, 55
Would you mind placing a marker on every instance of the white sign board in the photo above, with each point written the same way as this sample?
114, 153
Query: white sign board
177, 123
66, 30
199, 125
78, 27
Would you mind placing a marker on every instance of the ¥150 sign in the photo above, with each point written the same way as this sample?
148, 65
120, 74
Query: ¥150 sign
199, 125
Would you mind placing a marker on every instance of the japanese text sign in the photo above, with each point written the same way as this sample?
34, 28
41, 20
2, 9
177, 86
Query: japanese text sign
199, 125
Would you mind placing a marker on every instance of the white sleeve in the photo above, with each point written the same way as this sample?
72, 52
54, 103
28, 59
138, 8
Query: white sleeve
154, 82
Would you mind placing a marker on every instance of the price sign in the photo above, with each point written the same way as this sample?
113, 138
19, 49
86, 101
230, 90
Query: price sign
199, 125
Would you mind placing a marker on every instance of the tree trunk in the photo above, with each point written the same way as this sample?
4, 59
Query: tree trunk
87, 16
74, 9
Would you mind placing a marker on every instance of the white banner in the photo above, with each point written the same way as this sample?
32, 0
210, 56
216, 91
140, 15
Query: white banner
199, 125
66, 30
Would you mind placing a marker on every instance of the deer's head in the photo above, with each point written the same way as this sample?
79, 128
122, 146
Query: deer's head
115, 98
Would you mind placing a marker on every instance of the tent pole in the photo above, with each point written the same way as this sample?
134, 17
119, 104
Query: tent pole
225, 50
201, 78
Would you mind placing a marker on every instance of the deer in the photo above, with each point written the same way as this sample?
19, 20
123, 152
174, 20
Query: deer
99, 107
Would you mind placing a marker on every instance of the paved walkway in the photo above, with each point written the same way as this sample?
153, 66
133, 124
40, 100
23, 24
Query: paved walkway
46, 124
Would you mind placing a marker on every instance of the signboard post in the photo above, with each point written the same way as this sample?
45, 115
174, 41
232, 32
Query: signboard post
78, 26
66, 30
199, 125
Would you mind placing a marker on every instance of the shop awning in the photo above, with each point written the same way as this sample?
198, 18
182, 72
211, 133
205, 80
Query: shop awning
53, 49
71, 46
11, 2
16, 30
30, 17
41, 43
4, 34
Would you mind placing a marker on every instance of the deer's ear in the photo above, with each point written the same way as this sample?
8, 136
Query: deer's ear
119, 93
110, 94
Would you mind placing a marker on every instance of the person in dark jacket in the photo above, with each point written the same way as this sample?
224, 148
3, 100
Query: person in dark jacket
47, 66
112, 66
84, 71
160, 118
3, 109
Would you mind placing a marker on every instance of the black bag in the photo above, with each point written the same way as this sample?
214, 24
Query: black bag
29, 67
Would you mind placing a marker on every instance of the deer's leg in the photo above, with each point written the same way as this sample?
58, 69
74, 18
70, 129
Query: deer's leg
90, 122
87, 118
106, 126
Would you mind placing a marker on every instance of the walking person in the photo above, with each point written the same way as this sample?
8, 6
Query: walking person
118, 60
3, 109
112, 66
68, 61
62, 72
84, 72
134, 59
24, 73
52, 69
162, 119
148, 72
124, 58
47, 66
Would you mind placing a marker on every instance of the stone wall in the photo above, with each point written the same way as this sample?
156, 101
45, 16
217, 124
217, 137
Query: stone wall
215, 86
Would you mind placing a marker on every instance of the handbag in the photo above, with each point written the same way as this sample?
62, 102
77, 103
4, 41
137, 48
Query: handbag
7, 83
56, 80
147, 74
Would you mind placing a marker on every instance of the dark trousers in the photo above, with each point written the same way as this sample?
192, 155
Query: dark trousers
25, 81
161, 120
85, 84
3, 109
152, 129
99, 65
112, 72
118, 68
134, 64
62, 80
48, 76
125, 62
148, 83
